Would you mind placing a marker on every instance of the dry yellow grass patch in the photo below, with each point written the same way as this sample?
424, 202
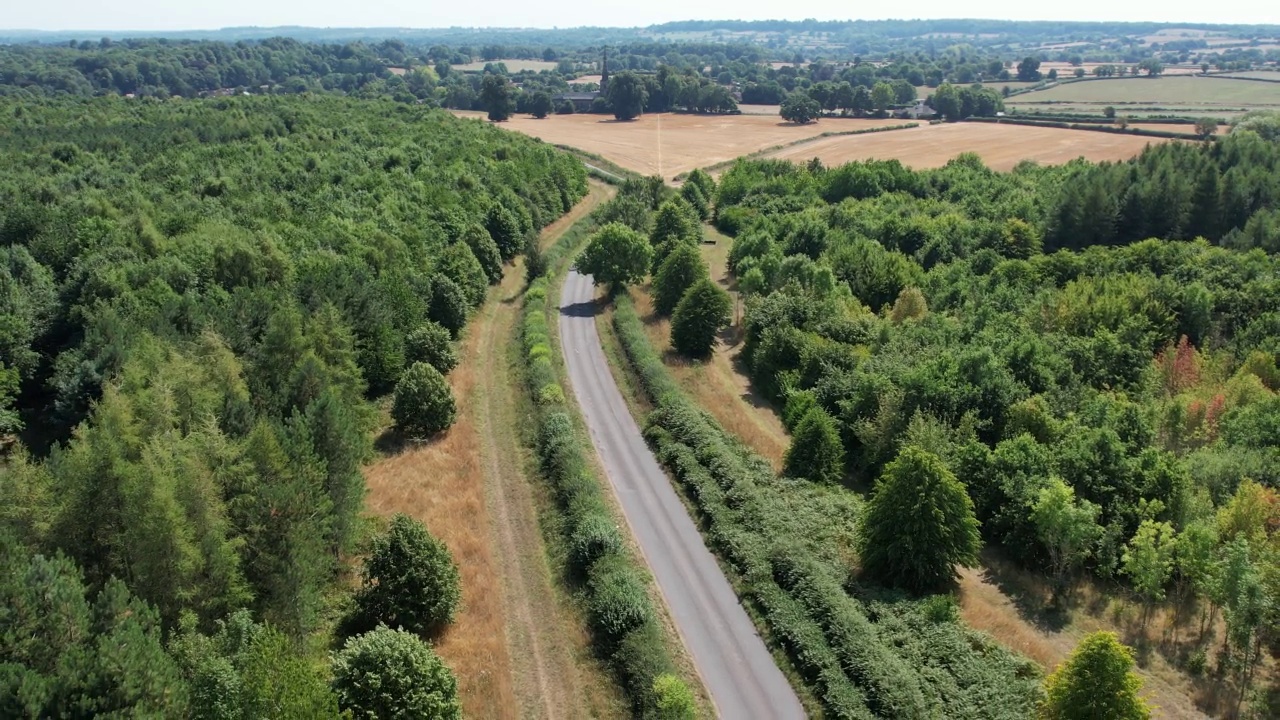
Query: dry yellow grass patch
442, 483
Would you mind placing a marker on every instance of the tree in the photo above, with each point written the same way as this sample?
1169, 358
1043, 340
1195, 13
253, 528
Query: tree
800, 108
430, 343
485, 251
1096, 682
627, 95
1148, 560
410, 580
919, 523
448, 306
391, 675
1029, 69
882, 96
676, 223
946, 100
682, 268
497, 97
698, 318
423, 403
816, 452
1067, 528
616, 255
460, 265
1206, 126
540, 104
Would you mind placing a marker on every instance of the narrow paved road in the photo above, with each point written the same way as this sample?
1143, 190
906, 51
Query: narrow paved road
735, 666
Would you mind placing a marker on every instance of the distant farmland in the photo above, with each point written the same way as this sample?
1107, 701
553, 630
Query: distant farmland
669, 144
514, 66
1200, 95
1001, 147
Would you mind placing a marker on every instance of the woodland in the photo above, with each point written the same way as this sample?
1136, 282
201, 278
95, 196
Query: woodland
203, 304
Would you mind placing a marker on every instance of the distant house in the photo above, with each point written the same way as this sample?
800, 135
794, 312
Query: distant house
919, 111
582, 101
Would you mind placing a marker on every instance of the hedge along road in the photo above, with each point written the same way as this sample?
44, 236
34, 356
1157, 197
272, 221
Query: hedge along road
732, 660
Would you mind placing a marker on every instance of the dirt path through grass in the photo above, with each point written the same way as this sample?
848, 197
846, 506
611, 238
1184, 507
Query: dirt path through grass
542, 638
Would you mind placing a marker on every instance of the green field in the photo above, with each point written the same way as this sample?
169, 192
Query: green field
1182, 92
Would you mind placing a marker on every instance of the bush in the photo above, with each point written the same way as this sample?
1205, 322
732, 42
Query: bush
699, 317
816, 452
430, 343
799, 403
673, 700
595, 535
618, 602
410, 580
390, 674
423, 403
1097, 681
682, 268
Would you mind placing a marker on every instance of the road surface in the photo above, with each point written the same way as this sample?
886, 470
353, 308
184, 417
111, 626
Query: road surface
732, 660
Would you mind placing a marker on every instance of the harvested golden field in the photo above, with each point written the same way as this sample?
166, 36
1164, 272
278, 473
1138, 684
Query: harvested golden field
668, 144
1000, 146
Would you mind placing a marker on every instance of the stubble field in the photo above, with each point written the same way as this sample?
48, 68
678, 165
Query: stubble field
668, 144
1001, 147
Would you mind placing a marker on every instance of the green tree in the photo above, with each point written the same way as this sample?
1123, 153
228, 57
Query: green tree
627, 95
423, 404
1206, 126
1096, 682
540, 104
946, 100
460, 265
799, 108
919, 523
498, 97
430, 343
486, 252
682, 268
340, 439
1067, 528
1029, 69
816, 452
698, 318
882, 96
410, 580
616, 255
392, 675
675, 223
449, 306
1148, 560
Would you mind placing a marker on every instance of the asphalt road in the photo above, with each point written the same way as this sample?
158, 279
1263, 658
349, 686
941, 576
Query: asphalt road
732, 660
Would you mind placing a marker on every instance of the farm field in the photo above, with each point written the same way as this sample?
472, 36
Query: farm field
1000, 146
1256, 75
1205, 93
669, 144
512, 65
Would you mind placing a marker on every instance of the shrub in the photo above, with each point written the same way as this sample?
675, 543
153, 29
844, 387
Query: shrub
799, 403
816, 452
699, 317
423, 403
594, 535
390, 674
618, 602
430, 343
682, 268
410, 580
673, 700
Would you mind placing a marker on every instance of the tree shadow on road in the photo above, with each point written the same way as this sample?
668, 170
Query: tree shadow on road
583, 309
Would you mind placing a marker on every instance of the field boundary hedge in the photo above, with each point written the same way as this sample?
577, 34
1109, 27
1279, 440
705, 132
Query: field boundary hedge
614, 585
1084, 126
795, 143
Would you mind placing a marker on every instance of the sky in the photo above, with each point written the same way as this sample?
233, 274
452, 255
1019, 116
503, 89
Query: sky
189, 15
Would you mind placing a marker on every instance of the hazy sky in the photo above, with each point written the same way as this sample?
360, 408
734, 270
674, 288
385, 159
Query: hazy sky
193, 14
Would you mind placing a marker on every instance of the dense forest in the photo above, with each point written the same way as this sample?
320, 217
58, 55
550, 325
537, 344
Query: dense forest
1092, 350
203, 303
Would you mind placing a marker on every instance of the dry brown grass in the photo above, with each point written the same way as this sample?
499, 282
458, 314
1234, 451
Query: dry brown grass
441, 483
668, 144
1000, 146
1015, 607
719, 385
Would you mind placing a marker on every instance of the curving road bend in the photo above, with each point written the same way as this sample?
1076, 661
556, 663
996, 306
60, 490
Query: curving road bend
732, 660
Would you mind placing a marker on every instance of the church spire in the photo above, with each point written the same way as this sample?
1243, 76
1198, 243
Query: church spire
604, 73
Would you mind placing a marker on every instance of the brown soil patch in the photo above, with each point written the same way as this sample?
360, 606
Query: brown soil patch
1000, 146
668, 144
